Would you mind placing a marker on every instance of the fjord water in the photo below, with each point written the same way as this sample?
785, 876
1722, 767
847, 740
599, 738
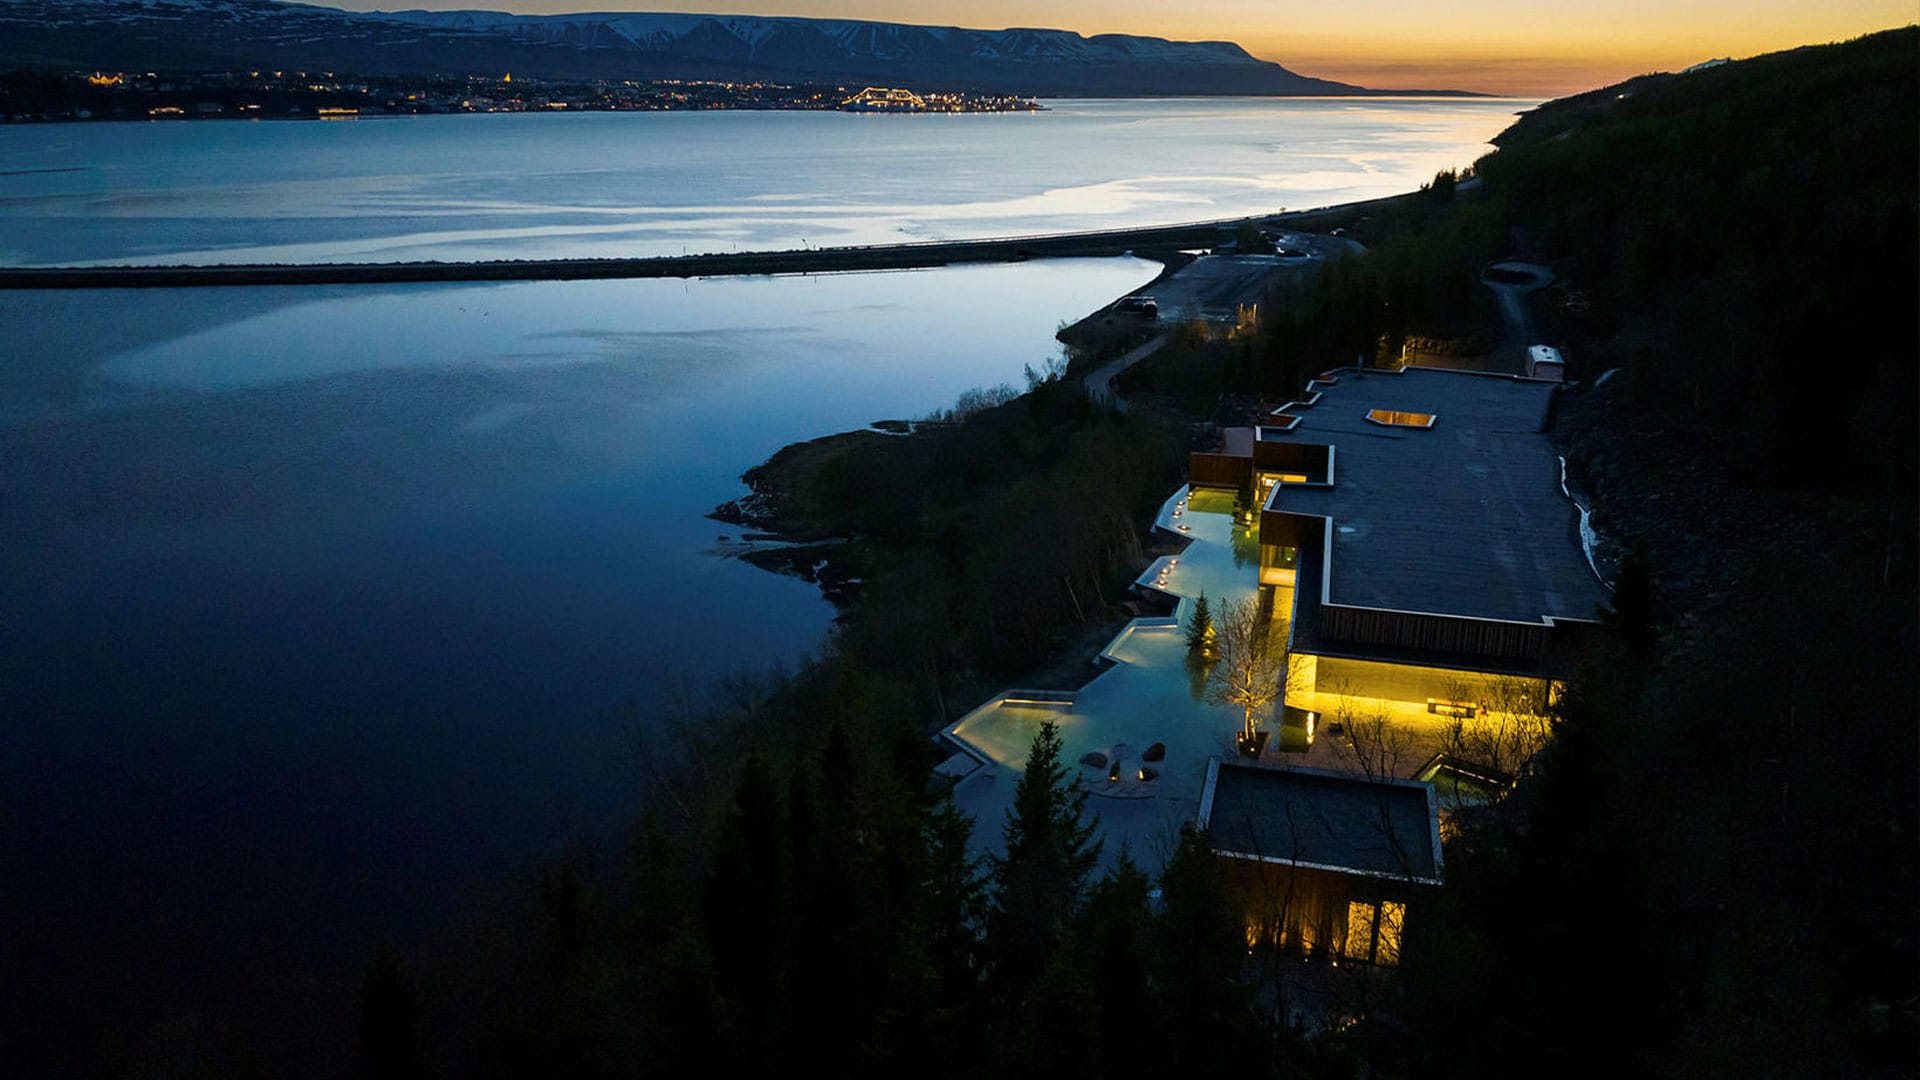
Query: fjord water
314, 601
628, 184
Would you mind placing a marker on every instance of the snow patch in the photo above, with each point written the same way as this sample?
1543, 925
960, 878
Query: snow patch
1589, 538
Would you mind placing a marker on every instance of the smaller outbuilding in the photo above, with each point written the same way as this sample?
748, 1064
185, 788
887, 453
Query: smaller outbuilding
1320, 863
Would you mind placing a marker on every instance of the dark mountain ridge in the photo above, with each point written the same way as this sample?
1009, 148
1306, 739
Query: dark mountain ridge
183, 35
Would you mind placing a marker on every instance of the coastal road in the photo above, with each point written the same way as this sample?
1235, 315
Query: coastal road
808, 261
1099, 382
909, 256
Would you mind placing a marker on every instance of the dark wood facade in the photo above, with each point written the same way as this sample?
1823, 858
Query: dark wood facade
1319, 914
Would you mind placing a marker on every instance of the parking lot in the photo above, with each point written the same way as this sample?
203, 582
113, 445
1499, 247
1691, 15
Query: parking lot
1214, 286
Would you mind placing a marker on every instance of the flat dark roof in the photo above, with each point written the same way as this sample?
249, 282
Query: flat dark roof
1465, 518
1308, 817
1303, 636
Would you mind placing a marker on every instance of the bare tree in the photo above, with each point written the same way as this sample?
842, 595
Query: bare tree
1252, 672
1373, 745
683, 750
1511, 724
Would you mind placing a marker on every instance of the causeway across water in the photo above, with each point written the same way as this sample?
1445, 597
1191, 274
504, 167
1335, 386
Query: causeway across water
1158, 238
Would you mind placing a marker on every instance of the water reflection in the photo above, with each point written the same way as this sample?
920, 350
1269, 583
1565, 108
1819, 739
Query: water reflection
517, 186
323, 594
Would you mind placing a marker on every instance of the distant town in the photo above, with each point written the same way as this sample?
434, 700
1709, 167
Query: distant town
37, 97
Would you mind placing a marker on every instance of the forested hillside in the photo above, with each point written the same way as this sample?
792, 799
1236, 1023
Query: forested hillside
1716, 873
1712, 872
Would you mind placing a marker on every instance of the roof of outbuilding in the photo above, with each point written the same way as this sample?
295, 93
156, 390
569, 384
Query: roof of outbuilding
1309, 817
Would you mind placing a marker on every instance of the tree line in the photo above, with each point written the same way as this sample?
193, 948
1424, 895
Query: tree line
1711, 868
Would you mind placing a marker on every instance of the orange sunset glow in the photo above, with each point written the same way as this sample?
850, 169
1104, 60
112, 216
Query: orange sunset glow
1514, 47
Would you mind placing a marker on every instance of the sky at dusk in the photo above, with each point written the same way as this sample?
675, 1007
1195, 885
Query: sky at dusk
1528, 48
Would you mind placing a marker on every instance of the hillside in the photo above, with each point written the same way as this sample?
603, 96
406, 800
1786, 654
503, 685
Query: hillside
198, 35
1718, 851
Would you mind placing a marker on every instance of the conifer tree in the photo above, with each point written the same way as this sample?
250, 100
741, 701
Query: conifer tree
1632, 610
1041, 879
1117, 935
747, 904
954, 895
389, 1019
1200, 629
1243, 505
1205, 1005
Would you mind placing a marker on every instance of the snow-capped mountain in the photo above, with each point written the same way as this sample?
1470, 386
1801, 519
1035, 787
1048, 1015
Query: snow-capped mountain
222, 34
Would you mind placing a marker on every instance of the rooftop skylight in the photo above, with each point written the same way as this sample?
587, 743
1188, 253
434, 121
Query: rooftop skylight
1391, 418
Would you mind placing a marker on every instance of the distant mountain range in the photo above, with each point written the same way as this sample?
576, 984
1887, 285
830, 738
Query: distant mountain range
214, 35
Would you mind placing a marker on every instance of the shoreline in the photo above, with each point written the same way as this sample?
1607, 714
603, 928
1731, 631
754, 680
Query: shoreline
1145, 241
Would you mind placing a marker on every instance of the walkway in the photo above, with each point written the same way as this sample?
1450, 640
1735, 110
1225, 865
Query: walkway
1099, 383
1148, 696
1513, 311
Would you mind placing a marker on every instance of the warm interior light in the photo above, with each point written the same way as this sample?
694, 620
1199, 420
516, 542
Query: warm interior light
1392, 418
1359, 929
1393, 915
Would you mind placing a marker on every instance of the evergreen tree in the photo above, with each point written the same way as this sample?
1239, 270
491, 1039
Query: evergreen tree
1243, 504
1053, 1029
389, 1019
1200, 629
748, 908
657, 894
1117, 937
1204, 1002
953, 897
686, 1026
930, 968
561, 1023
1041, 879
1632, 612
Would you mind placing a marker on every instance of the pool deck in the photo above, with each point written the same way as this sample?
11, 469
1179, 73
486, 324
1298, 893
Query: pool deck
1148, 695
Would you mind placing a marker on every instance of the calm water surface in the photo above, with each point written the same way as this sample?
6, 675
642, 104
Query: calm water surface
313, 601
604, 184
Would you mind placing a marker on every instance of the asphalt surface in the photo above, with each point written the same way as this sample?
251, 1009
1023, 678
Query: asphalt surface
808, 261
1513, 309
1099, 382
1201, 234
1213, 288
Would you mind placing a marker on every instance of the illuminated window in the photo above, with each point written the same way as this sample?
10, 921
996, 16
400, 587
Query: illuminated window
1373, 930
1282, 555
1393, 915
1359, 930
1464, 709
1390, 418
